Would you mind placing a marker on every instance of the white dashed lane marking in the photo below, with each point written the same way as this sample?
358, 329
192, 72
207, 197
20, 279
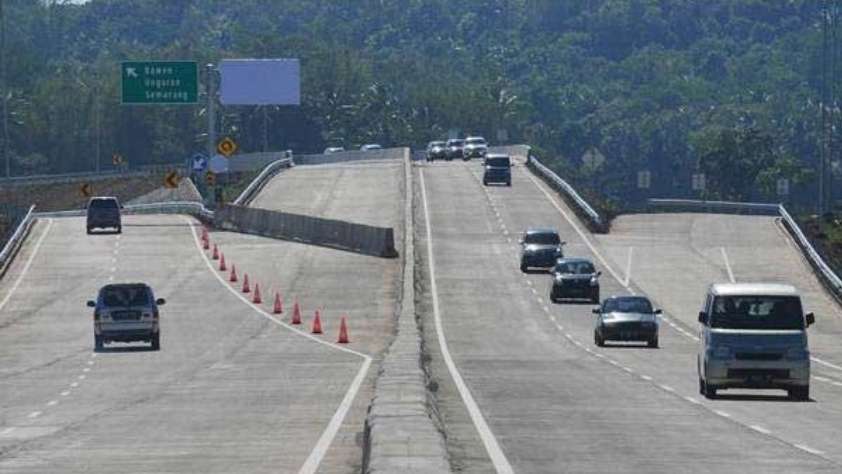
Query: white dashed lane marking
760, 429
52, 403
34, 414
810, 450
65, 393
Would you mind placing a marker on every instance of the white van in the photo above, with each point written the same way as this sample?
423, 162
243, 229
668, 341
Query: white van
754, 336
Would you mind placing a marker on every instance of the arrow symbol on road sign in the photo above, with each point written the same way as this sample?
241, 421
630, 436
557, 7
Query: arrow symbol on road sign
86, 189
172, 179
131, 72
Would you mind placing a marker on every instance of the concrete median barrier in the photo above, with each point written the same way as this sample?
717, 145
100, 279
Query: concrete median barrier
360, 238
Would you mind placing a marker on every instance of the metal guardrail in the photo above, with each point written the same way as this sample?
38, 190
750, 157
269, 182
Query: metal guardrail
828, 277
257, 183
143, 170
192, 208
715, 206
596, 221
16, 239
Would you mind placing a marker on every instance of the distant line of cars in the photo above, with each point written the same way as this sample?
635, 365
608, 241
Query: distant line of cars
497, 168
752, 335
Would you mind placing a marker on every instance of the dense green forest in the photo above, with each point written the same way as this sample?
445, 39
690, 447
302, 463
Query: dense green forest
669, 86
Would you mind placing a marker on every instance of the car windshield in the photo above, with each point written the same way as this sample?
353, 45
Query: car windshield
575, 268
118, 296
436, 144
757, 312
498, 162
456, 143
475, 141
103, 204
627, 305
543, 238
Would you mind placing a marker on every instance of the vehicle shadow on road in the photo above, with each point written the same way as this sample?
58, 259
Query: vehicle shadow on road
119, 349
760, 398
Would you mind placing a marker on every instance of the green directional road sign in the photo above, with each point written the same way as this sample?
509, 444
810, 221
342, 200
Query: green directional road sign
159, 82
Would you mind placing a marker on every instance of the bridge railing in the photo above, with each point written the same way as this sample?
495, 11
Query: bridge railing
258, 182
14, 242
594, 221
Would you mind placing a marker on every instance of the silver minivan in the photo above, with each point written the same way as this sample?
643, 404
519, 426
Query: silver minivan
754, 335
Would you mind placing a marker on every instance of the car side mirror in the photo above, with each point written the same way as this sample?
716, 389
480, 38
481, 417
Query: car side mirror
91, 304
160, 301
598, 274
596, 311
563, 243
810, 319
659, 311
703, 318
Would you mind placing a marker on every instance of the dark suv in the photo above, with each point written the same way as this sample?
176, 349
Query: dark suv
104, 213
455, 149
126, 312
498, 169
540, 248
575, 278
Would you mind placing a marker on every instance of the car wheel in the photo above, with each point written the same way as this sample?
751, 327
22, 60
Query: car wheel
799, 393
598, 339
484, 182
708, 390
119, 229
98, 343
524, 267
653, 342
701, 386
509, 183
89, 230
156, 342
595, 297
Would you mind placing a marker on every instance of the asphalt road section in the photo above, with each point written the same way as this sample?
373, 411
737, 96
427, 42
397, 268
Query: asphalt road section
234, 388
551, 399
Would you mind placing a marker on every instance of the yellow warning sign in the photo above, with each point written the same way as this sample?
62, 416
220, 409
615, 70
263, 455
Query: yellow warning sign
227, 147
86, 190
172, 179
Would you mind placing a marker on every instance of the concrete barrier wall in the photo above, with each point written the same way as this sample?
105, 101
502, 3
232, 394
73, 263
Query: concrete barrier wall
403, 433
360, 238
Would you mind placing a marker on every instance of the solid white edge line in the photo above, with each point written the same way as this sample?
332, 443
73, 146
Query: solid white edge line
318, 452
727, 265
498, 458
26, 266
825, 363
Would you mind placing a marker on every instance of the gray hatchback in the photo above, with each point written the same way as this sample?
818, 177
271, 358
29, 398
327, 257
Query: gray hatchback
626, 318
126, 312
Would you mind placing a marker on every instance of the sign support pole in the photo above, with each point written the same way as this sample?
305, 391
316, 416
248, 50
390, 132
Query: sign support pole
211, 110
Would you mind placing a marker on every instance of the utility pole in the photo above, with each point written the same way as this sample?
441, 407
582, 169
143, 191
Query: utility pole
5, 96
265, 128
211, 110
823, 104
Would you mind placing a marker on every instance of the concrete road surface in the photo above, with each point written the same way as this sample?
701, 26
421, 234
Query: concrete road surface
528, 391
233, 388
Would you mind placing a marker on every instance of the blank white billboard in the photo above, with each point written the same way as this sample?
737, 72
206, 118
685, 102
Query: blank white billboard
260, 82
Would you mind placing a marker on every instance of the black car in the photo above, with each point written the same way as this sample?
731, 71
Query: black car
540, 248
436, 151
575, 278
455, 149
498, 169
626, 318
104, 213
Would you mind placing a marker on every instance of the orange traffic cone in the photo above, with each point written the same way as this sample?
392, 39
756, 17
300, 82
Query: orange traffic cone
296, 313
279, 304
233, 276
256, 299
215, 252
343, 332
317, 324
204, 233
206, 244
222, 267
246, 288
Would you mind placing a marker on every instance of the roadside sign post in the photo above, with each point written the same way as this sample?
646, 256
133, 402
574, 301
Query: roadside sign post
159, 82
783, 187
644, 179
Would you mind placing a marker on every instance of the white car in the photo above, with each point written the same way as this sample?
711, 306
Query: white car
370, 146
475, 147
333, 149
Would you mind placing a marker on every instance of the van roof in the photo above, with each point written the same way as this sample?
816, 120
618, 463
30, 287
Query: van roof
766, 289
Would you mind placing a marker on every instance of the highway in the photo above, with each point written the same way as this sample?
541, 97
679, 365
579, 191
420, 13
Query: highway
551, 399
517, 381
234, 387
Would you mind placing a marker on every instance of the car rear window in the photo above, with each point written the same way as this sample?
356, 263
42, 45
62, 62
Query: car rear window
498, 162
456, 142
126, 296
542, 239
103, 204
476, 141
